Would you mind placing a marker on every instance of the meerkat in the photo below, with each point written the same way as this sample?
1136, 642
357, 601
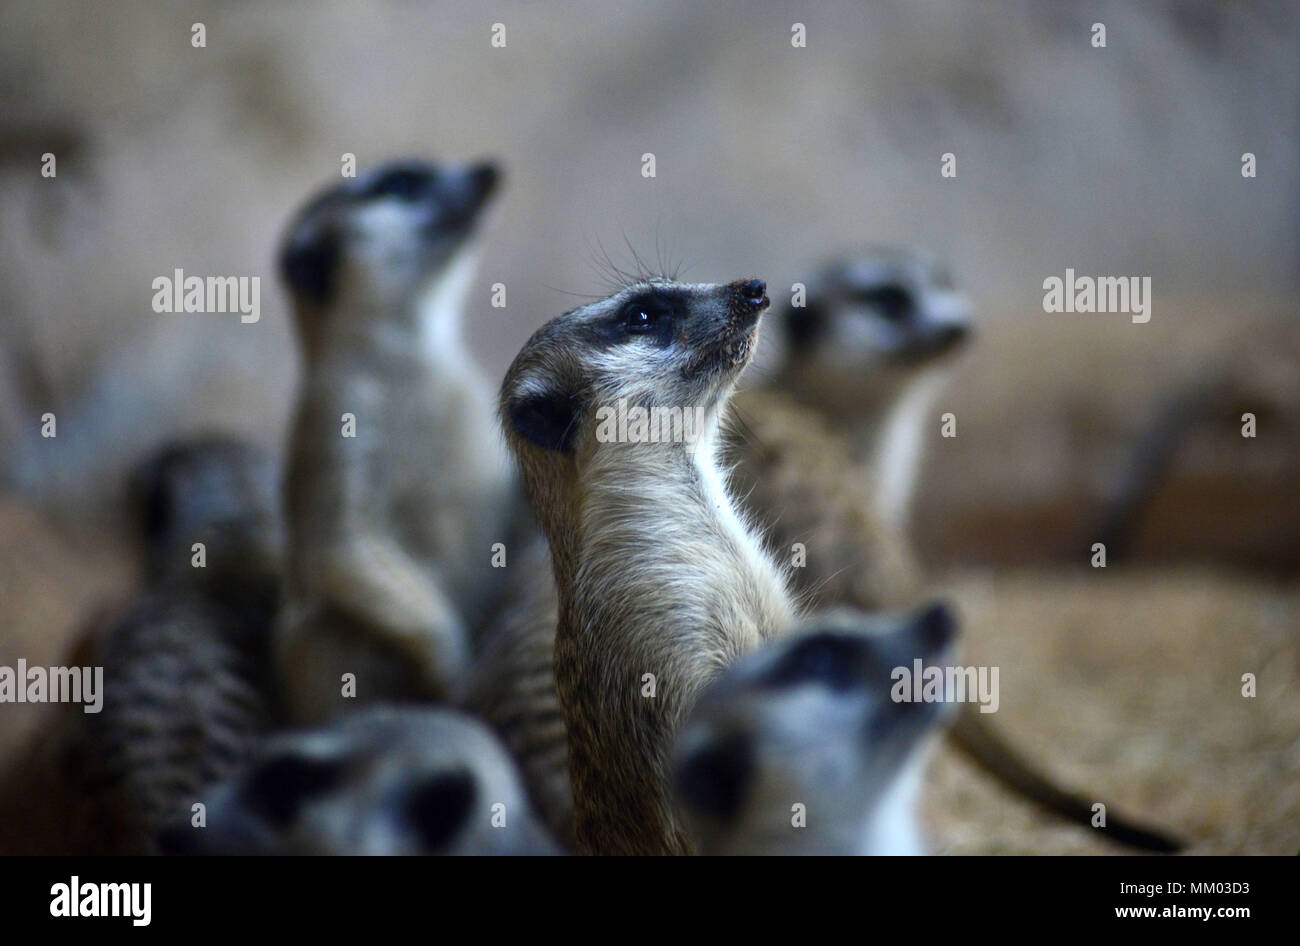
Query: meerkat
661, 583
187, 690
801, 748
384, 780
398, 483
869, 350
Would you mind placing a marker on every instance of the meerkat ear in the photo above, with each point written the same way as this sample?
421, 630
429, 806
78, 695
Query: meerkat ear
548, 418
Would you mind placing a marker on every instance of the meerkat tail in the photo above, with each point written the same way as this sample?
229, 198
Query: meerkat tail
980, 743
1149, 459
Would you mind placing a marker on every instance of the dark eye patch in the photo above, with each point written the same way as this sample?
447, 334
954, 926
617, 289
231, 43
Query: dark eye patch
651, 314
401, 183
643, 316
894, 303
831, 660
280, 785
804, 324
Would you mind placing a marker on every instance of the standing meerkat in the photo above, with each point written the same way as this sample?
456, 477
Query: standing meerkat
398, 483
801, 748
661, 583
383, 780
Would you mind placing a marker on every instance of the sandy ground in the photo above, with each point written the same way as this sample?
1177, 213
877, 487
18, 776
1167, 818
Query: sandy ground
53, 588
1128, 684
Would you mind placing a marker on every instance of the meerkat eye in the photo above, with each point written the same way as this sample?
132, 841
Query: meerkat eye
642, 317
892, 302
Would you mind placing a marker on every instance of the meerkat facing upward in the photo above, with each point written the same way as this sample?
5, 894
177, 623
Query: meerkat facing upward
391, 522
808, 726
660, 582
384, 780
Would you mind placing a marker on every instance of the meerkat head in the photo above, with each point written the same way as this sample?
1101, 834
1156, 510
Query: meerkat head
381, 242
213, 490
654, 344
810, 720
868, 325
386, 780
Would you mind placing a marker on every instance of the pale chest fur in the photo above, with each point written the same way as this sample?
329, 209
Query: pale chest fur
408, 449
669, 575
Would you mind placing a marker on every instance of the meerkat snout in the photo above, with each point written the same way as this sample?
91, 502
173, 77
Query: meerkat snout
801, 747
754, 292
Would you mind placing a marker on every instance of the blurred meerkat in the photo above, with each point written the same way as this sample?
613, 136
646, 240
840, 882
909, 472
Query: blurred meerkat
800, 748
398, 483
187, 691
513, 685
661, 584
384, 780
869, 351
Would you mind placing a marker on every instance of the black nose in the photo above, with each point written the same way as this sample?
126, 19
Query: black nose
484, 177
465, 190
754, 293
